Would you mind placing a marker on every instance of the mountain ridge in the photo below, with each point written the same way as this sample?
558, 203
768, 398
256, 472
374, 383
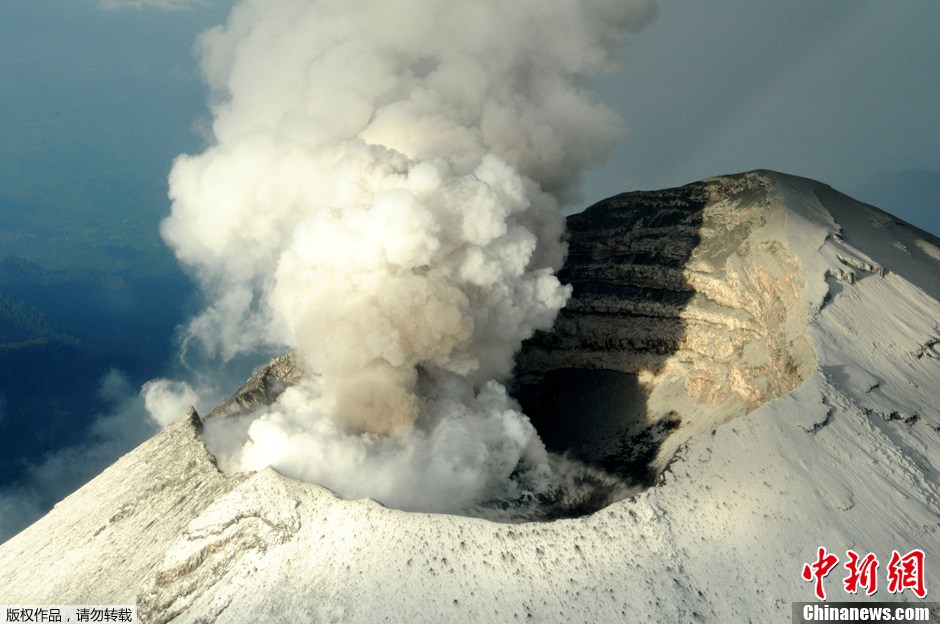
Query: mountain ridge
848, 459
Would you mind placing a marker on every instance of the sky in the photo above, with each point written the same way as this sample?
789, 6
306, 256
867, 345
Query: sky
98, 96
836, 91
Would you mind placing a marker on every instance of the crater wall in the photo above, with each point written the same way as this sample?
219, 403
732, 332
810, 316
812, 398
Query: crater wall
688, 311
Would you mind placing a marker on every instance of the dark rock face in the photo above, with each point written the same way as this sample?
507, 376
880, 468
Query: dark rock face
685, 314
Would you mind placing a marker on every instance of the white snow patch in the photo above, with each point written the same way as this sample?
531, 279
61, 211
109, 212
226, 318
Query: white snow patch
931, 250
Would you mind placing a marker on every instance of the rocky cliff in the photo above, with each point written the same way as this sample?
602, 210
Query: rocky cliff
687, 312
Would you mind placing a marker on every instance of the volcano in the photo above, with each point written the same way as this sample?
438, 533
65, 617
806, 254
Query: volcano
756, 355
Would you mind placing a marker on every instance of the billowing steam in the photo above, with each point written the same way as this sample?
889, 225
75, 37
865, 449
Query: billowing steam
383, 196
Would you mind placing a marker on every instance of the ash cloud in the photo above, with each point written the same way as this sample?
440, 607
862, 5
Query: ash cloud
383, 196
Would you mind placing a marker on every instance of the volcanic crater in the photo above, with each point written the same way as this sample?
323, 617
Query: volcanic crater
688, 311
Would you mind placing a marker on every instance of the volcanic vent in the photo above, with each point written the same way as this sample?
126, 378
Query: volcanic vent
688, 311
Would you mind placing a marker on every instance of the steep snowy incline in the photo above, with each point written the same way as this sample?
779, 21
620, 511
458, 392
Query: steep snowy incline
97, 545
848, 460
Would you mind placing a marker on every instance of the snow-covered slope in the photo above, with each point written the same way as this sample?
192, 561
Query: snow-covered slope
847, 460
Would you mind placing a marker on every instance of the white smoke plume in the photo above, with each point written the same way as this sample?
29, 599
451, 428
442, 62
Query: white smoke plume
166, 400
383, 196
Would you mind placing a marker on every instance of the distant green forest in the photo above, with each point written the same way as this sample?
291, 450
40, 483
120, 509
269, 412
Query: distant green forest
24, 325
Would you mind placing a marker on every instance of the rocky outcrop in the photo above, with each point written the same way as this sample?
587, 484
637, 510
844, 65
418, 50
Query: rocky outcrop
263, 387
687, 312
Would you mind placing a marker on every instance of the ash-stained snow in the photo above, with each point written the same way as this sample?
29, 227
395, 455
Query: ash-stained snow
849, 460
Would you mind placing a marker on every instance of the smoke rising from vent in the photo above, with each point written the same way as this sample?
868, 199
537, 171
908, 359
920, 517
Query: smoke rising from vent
383, 196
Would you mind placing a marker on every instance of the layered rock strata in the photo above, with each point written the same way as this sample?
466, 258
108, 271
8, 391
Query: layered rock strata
686, 313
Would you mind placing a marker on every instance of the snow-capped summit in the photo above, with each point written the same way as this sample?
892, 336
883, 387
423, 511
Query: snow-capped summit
764, 348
